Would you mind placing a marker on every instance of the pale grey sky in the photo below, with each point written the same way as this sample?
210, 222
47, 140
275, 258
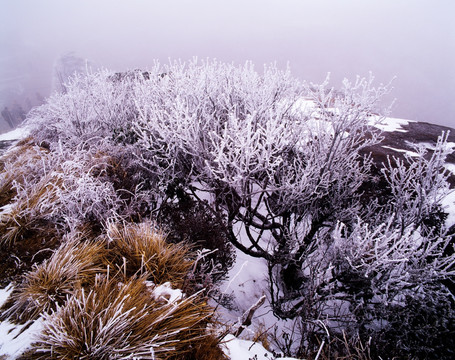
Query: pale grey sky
411, 39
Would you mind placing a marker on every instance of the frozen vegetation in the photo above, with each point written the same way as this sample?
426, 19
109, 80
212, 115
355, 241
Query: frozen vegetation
201, 210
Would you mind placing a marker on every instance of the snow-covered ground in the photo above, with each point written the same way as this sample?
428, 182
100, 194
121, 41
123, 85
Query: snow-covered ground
14, 339
16, 134
390, 124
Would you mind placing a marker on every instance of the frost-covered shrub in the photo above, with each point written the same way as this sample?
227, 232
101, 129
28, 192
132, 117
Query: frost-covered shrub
67, 190
97, 104
421, 328
195, 223
281, 161
417, 185
46, 194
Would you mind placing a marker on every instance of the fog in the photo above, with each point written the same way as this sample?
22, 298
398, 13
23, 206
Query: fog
413, 40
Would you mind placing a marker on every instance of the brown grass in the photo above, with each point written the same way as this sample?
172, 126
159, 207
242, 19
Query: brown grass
30, 212
72, 266
97, 299
19, 162
27, 230
118, 319
140, 248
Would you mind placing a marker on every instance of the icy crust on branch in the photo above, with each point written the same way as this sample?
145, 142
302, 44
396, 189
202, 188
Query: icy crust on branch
94, 105
239, 127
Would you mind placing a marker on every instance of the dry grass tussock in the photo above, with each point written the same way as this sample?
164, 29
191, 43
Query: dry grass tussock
119, 320
32, 211
16, 165
97, 300
140, 248
28, 193
72, 266
28, 226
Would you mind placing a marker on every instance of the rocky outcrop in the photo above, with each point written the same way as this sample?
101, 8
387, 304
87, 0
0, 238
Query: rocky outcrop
403, 138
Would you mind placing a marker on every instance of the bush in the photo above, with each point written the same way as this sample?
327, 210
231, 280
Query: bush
421, 328
195, 223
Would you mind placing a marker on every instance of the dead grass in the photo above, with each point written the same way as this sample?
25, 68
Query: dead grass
344, 347
73, 266
27, 226
30, 211
118, 320
27, 229
16, 164
140, 248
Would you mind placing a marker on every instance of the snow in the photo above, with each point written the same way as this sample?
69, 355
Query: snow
410, 153
448, 204
15, 339
450, 167
238, 349
247, 282
244, 349
166, 293
18, 133
450, 145
5, 293
389, 124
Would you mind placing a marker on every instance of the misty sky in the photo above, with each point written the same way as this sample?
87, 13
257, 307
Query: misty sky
413, 40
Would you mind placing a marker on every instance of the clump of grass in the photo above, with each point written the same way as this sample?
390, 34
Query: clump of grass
28, 226
98, 298
143, 248
208, 349
73, 265
31, 212
119, 320
23, 161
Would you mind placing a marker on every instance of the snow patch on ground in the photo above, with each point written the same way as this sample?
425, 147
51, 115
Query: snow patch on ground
237, 349
410, 153
15, 340
389, 124
450, 145
5, 293
16, 134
